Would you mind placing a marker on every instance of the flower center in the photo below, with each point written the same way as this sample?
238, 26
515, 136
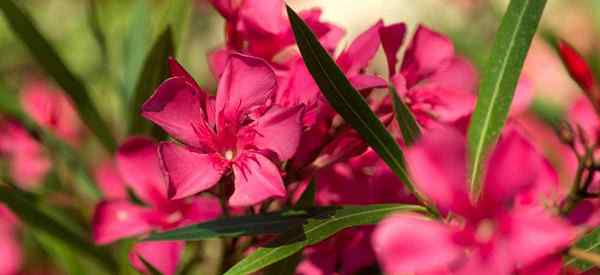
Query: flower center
174, 217
485, 231
228, 154
122, 215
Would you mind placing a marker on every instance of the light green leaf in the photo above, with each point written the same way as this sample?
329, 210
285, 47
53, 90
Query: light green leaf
588, 243
47, 57
136, 44
316, 229
408, 125
499, 82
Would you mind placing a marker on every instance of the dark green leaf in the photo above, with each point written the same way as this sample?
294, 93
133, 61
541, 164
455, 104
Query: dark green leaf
499, 82
151, 269
346, 100
50, 61
408, 125
39, 218
589, 243
155, 70
317, 229
271, 223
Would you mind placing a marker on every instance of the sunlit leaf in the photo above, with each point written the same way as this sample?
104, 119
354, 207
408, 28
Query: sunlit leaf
408, 125
588, 243
499, 82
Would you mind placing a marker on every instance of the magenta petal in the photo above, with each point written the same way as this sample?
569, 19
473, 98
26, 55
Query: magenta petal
246, 82
201, 209
582, 113
163, 255
109, 181
256, 179
176, 107
10, 253
534, 235
279, 130
189, 172
367, 82
392, 37
428, 52
217, 59
408, 243
115, 220
177, 70
437, 163
138, 164
357, 56
459, 75
505, 175
263, 17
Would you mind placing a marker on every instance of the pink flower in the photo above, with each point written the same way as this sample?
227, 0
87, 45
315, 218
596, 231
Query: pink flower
10, 249
27, 160
237, 131
493, 234
436, 84
138, 168
51, 109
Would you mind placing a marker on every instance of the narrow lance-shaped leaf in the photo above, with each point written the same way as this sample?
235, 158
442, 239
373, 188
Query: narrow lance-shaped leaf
346, 100
151, 269
154, 71
53, 65
135, 48
499, 82
23, 206
408, 125
271, 223
314, 231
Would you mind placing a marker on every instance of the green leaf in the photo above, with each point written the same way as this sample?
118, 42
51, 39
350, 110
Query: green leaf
408, 125
94, 24
151, 269
499, 82
346, 100
590, 242
155, 70
53, 65
135, 47
175, 17
38, 217
250, 225
317, 229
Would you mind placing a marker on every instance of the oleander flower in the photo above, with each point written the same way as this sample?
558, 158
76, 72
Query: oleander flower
238, 131
137, 167
493, 234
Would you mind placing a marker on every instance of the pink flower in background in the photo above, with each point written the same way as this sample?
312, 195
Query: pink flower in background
138, 168
10, 249
437, 84
28, 163
239, 130
51, 109
493, 234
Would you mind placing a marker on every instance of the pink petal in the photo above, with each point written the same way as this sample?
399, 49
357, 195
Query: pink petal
534, 235
246, 82
201, 209
163, 255
10, 253
360, 52
582, 113
217, 59
177, 70
428, 52
29, 169
138, 164
552, 265
109, 181
459, 75
279, 130
437, 163
176, 107
523, 97
189, 172
256, 179
392, 37
505, 175
577, 66
450, 105
366, 82
115, 220
408, 243
263, 17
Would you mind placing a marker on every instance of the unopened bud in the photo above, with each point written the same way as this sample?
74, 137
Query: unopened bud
566, 134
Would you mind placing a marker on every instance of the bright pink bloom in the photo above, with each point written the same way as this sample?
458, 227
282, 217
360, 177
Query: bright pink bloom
436, 84
493, 234
51, 109
237, 131
138, 167
10, 249
27, 159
